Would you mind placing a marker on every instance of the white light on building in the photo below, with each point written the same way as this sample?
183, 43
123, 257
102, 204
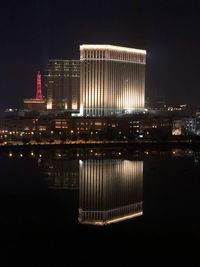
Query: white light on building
112, 80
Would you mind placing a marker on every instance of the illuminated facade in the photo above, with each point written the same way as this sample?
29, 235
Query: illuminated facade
38, 95
63, 85
110, 190
112, 80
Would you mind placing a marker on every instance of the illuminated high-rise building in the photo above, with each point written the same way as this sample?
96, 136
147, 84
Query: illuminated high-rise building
112, 80
110, 190
63, 84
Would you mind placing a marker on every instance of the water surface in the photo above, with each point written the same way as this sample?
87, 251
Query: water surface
89, 206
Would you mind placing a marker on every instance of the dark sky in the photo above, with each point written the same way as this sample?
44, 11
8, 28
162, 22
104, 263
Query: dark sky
31, 32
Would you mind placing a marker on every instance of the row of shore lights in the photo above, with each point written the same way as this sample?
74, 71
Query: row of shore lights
21, 155
91, 151
59, 155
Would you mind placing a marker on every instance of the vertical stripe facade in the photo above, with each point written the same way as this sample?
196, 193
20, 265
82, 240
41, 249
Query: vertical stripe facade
112, 80
109, 189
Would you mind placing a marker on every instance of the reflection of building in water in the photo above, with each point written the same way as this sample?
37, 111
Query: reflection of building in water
110, 190
63, 174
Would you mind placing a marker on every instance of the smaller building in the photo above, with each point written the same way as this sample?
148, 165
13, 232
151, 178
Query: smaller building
35, 104
184, 126
63, 85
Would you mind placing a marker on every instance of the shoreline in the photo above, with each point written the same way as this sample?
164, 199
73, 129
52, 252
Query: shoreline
137, 145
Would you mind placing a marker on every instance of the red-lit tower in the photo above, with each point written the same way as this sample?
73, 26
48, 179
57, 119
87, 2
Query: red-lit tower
38, 103
39, 87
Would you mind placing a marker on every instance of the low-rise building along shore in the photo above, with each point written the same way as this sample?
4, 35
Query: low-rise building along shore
125, 128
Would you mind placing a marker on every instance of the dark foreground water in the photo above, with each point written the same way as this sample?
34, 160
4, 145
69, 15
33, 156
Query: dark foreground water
99, 207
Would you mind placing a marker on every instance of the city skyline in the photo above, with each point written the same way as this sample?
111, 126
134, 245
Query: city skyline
35, 32
100, 132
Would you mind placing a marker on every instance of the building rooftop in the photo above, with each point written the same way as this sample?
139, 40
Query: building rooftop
113, 48
33, 100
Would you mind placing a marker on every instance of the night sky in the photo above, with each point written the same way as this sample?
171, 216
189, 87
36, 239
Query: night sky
31, 32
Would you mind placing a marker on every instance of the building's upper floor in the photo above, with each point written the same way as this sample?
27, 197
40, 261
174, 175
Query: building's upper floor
63, 68
112, 52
